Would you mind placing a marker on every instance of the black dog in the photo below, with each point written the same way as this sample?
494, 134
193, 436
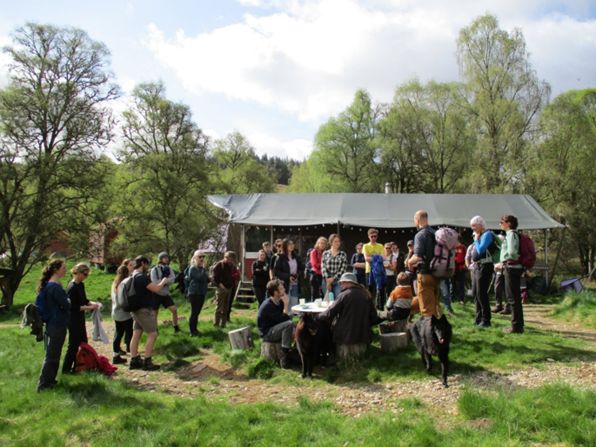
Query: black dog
432, 336
313, 339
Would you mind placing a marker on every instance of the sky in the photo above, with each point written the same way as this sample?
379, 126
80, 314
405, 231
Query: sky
275, 70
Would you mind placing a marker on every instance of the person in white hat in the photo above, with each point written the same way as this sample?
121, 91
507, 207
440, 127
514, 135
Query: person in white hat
353, 313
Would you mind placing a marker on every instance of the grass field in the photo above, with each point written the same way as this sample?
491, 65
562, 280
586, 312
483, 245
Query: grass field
93, 410
579, 308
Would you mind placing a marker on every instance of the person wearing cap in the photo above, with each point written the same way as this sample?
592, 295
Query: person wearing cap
198, 280
483, 242
352, 313
163, 298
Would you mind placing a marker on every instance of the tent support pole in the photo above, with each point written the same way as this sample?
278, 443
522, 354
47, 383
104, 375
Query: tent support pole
546, 254
271, 235
338, 229
242, 250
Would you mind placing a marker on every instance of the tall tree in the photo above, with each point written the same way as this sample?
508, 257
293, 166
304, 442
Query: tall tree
562, 174
346, 146
165, 154
504, 97
54, 120
237, 169
425, 139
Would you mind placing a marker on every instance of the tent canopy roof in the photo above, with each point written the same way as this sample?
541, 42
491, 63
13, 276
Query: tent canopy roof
381, 210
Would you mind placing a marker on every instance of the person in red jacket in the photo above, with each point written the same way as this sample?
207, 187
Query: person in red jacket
459, 278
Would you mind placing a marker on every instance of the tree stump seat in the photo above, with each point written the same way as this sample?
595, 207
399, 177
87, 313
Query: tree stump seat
271, 351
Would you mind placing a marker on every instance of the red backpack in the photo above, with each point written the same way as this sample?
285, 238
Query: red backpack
89, 360
527, 252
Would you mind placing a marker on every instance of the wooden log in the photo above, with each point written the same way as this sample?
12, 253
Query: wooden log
350, 354
389, 327
240, 338
394, 341
271, 351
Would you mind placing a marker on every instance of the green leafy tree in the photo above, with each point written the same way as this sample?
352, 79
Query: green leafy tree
164, 176
237, 169
346, 146
562, 175
425, 140
504, 98
54, 121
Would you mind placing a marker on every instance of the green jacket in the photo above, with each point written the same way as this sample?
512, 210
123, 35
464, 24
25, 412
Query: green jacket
510, 248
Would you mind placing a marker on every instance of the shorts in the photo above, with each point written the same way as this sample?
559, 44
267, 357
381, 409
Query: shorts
145, 320
163, 300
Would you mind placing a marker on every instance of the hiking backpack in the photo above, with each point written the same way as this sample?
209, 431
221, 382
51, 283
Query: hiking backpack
89, 360
442, 264
124, 293
527, 251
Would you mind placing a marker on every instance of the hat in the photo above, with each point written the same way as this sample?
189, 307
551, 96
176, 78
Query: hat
348, 277
163, 254
410, 242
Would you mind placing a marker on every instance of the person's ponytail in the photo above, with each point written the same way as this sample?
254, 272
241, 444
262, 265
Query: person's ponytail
48, 271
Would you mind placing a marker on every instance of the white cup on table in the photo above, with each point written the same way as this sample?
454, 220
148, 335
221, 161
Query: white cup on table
302, 301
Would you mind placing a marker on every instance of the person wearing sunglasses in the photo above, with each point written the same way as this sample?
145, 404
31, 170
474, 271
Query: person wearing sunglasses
79, 304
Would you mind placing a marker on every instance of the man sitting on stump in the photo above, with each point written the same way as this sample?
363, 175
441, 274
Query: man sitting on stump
275, 325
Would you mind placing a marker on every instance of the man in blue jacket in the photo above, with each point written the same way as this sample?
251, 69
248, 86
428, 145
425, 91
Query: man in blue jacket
273, 321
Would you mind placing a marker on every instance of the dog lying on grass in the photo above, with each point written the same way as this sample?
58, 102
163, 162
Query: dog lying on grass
314, 342
432, 336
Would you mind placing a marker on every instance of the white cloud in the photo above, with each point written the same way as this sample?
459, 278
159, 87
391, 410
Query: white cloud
4, 61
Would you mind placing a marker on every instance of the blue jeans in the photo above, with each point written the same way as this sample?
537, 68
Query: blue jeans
445, 287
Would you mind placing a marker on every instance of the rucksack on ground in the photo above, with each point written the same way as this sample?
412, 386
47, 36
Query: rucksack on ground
527, 251
124, 293
442, 264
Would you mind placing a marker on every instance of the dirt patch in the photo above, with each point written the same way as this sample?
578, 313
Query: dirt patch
213, 379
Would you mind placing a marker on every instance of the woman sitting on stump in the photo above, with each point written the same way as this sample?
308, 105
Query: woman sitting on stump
352, 314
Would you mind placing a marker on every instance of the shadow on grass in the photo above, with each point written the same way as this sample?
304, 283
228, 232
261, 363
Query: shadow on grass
98, 393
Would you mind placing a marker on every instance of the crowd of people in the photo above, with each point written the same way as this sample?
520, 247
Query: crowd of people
380, 282
377, 282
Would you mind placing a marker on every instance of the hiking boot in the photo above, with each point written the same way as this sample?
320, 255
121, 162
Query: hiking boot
194, 334
498, 309
483, 325
117, 360
121, 352
136, 362
176, 328
149, 365
505, 312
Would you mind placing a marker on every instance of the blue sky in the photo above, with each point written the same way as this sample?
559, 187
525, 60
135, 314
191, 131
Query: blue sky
275, 70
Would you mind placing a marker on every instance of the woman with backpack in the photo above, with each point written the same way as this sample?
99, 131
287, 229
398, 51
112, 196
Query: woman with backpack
512, 271
54, 309
198, 280
122, 319
79, 304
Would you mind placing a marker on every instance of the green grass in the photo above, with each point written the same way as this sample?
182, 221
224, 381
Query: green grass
579, 308
93, 410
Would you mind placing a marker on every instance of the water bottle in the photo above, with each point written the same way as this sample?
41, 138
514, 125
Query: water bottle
330, 297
